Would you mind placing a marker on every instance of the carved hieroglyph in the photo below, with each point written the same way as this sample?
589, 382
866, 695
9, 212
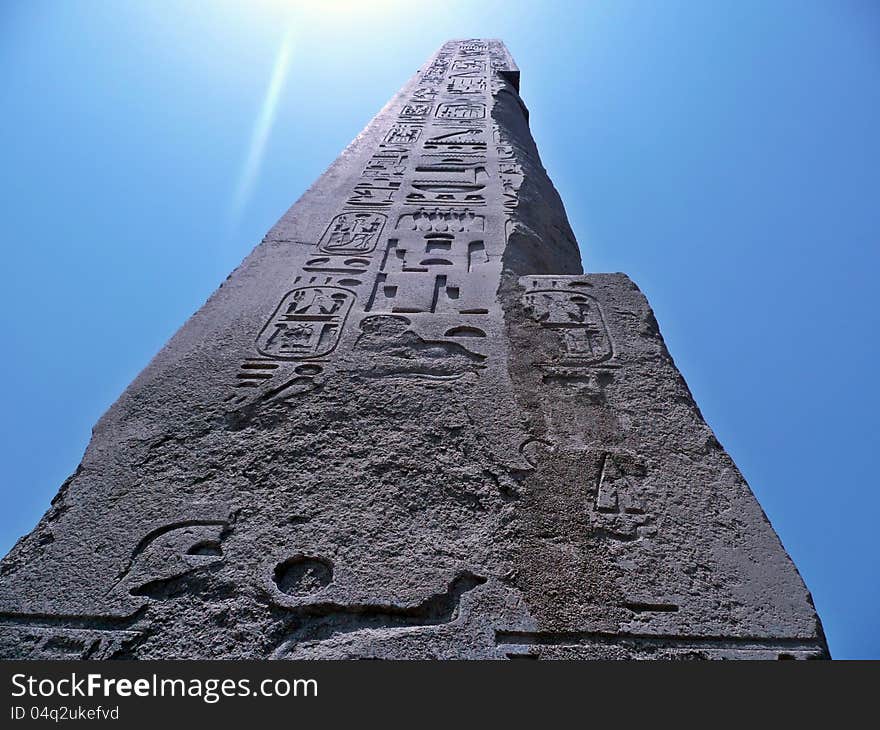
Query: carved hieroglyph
409, 426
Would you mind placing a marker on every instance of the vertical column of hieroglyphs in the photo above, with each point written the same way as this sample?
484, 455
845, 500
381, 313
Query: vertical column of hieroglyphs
414, 244
438, 272
508, 151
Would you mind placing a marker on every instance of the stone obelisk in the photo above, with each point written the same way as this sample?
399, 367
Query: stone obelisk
409, 426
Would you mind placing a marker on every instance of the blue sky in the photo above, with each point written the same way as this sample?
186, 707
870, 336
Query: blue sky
724, 154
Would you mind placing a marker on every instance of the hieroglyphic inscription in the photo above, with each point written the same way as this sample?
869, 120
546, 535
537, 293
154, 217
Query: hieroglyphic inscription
458, 139
336, 265
447, 183
375, 193
461, 110
26, 637
391, 162
510, 170
170, 551
576, 316
466, 85
473, 48
319, 621
449, 180
403, 134
468, 66
619, 505
441, 272
425, 93
307, 323
442, 220
416, 109
511, 174
437, 69
352, 233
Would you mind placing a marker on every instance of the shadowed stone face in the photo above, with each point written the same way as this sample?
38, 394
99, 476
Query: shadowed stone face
409, 426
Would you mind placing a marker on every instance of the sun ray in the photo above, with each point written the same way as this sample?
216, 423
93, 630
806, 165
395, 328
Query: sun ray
263, 127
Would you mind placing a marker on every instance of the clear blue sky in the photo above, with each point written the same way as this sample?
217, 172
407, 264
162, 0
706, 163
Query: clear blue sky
726, 155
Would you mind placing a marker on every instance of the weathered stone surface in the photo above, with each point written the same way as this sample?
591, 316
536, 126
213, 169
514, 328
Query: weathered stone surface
409, 426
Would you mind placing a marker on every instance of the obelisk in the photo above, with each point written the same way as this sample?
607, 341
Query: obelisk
409, 426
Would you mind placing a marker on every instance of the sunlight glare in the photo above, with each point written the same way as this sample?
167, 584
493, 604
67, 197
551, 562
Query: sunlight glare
263, 127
